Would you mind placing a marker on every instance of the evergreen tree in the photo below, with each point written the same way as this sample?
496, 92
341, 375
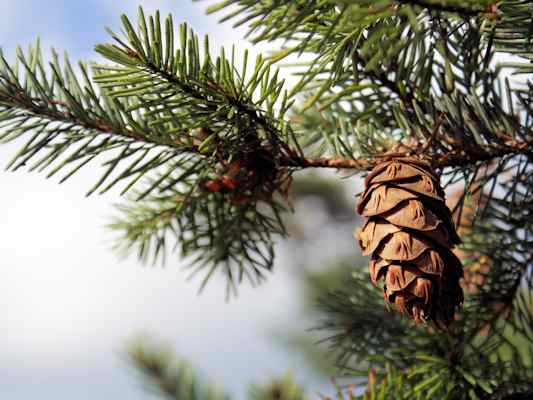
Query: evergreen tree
425, 92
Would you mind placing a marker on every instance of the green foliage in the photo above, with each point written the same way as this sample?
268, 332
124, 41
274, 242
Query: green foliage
210, 146
168, 376
211, 231
279, 389
510, 31
180, 93
169, 114
68, 122
380, 71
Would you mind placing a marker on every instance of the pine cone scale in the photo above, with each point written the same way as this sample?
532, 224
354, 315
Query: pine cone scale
383, 198
409, 168
411, 214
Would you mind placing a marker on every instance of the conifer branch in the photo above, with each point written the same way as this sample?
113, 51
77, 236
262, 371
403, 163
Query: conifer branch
167, 375
32, 107
460, 7
453, 159
24, 106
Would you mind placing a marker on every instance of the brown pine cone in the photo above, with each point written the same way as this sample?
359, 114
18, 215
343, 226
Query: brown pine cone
409, 234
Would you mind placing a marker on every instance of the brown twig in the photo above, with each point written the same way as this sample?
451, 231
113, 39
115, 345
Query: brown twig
435, 6
455, 158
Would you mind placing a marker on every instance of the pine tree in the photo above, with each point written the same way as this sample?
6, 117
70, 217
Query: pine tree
207, 148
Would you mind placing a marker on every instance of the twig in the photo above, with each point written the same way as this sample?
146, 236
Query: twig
455, 158
430, 5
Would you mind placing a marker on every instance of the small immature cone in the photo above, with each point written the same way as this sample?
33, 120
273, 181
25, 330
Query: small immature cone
410, 233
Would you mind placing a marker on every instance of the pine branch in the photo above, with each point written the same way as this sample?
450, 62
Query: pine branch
510, 31
461, 7
505, 220
60, 112
215, 231
176, 105
454, 159
278, 389
167, 376
189, 87
380, 41
31, 107
15, 98
216, 178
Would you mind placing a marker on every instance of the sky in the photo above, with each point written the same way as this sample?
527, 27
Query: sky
69, 305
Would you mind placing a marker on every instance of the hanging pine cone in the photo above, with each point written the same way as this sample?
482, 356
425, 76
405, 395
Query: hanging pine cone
409, 234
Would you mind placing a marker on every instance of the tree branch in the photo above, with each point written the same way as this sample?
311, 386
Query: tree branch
36, 108
436, 6
243, 107
456, 158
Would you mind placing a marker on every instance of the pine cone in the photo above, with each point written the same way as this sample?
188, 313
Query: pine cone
409, 234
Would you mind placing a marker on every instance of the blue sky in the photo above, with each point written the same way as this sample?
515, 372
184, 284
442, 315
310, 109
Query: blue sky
68, 305
78, 25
